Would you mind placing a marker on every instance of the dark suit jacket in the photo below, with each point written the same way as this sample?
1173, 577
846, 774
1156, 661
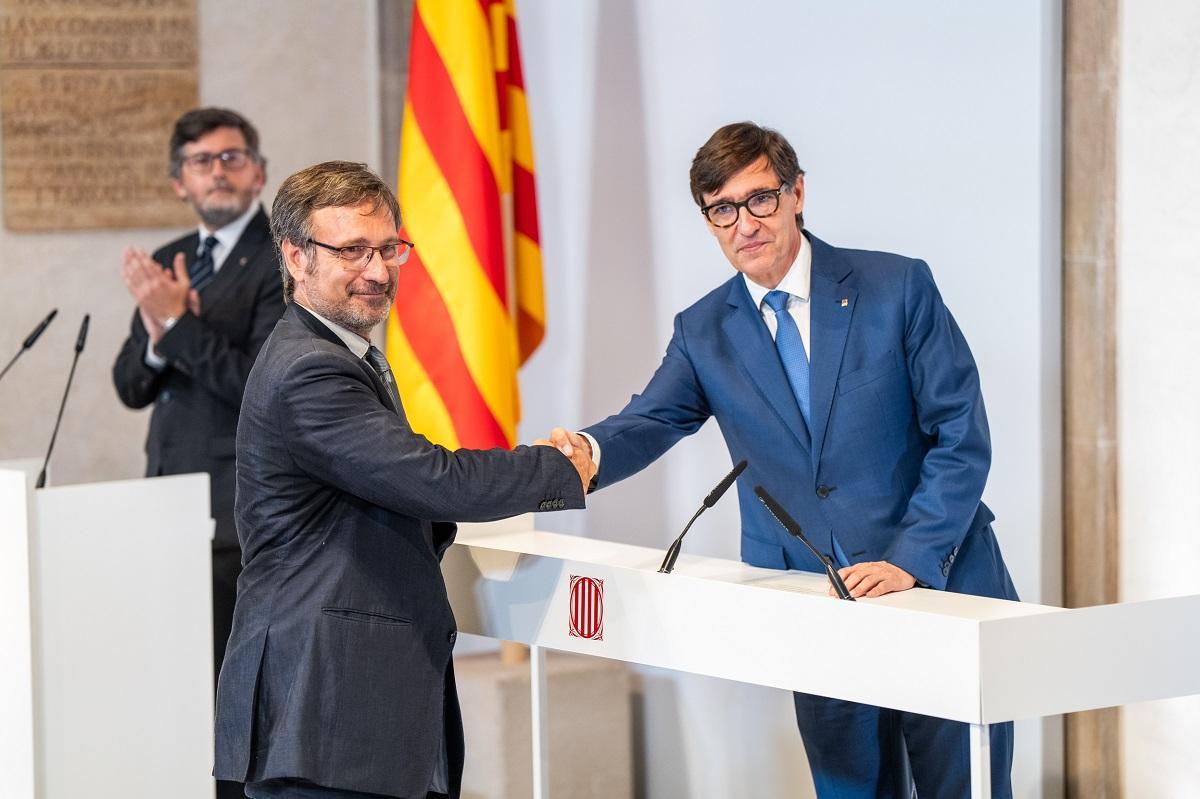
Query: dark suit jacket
338, 670
898, 453
197, 396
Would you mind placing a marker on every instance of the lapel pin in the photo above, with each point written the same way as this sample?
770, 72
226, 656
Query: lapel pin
243, 259
845, 302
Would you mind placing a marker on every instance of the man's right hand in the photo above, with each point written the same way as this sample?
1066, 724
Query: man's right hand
577, 449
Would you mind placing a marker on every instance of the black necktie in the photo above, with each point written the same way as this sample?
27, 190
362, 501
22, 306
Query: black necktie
380, 365
202, 273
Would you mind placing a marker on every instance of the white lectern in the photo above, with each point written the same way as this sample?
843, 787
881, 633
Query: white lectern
105, 638
976, 660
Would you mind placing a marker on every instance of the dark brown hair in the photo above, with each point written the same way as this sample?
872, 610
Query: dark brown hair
197, 122
733, 148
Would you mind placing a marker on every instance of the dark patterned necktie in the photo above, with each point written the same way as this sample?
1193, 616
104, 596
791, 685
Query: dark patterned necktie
202, 272
380, 365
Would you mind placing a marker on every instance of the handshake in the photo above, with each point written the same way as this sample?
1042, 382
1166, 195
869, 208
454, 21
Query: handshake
576, 448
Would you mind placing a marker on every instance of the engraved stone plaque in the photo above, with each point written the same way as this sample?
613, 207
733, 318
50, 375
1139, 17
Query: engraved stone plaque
89, 90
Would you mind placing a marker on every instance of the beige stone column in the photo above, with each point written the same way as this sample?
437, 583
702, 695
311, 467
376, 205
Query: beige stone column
1090, 546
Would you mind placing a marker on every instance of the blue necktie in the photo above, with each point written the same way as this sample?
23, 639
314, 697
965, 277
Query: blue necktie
202, 269
791, 349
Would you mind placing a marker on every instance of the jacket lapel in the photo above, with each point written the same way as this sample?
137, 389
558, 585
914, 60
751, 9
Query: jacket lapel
253, 238
756, 354
831, 308
188, 246
297, 312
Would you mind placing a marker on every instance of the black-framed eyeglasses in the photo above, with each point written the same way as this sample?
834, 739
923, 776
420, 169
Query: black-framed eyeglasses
357, 256
231, 160
761, 204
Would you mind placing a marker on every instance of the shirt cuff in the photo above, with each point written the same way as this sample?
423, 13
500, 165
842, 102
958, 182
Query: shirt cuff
153, 359
595, 450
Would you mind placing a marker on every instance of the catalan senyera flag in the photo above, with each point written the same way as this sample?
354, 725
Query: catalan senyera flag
469, 309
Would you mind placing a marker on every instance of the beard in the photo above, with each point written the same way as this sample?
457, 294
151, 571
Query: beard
357, 318
216, 210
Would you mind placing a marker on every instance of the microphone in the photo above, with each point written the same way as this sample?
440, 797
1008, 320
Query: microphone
30, 339
79, 342
790, 524
673, 551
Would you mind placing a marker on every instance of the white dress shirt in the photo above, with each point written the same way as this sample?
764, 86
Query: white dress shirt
357, 344
797, 283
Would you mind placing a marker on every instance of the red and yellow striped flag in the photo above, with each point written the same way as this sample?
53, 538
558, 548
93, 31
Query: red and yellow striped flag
469, 309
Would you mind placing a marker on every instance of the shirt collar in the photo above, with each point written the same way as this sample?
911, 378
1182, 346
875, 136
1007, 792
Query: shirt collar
357, 344
228, 236
796, 282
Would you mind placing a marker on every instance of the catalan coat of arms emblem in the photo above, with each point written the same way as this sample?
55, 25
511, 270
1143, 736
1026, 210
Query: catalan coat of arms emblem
587, 608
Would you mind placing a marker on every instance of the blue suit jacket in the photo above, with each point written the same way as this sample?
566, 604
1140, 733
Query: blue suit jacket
898, 453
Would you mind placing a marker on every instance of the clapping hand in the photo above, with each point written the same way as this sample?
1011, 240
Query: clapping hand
160, 293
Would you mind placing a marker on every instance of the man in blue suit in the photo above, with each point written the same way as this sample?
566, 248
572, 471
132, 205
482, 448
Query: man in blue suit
845, 382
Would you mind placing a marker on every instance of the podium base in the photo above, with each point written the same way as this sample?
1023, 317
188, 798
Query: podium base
590, 730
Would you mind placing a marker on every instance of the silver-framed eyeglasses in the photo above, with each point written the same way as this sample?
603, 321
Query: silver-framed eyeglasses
760, 205
357, 256
232, 160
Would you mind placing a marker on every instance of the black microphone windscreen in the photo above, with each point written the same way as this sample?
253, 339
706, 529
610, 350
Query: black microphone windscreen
83, 328
37, 331
785, 520
724, 485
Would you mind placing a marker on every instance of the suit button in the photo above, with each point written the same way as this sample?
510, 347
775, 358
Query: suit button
946, 571
560, 504
542, 505
822, 491
164, 395
452, 637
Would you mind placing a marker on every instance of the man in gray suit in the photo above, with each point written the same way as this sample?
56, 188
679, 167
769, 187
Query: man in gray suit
338, 680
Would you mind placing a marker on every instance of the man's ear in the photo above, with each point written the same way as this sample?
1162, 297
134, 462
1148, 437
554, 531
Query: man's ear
261, 180
177, 185
295, 259
799, 188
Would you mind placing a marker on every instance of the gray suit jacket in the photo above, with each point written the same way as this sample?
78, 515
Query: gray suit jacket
338, 670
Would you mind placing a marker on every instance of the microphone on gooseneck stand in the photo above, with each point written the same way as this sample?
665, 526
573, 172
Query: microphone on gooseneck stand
793, 527
673, 551
79, 342
30, 339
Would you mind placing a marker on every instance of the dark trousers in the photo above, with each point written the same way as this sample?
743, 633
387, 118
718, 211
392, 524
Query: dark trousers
226, 566
860, 751
300, 789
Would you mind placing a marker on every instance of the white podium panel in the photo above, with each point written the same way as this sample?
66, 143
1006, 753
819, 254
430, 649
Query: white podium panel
16, 630
118, 619
965, 658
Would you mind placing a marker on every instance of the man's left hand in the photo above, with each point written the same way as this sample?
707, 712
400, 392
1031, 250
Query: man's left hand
875, 578
160, 294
